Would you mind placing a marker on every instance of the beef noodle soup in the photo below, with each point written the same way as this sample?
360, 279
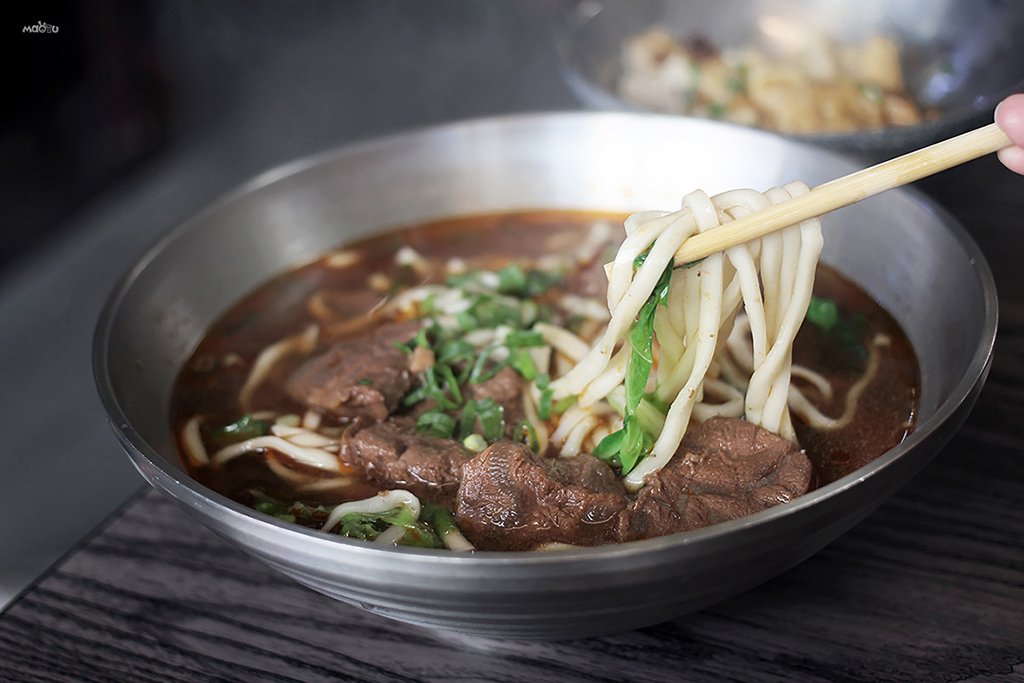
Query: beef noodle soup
481, 383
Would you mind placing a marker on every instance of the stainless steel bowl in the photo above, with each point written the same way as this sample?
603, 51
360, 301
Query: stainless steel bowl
960, 58
909, 254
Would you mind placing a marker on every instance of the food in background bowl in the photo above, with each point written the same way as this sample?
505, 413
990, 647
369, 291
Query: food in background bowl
476, 383
814, 86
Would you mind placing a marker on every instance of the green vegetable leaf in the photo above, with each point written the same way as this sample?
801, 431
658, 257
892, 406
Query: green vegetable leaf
626, 447
244, 428
641, 360
610, 447
368, 526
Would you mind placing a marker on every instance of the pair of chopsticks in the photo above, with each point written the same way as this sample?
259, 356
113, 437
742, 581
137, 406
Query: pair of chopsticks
847, 190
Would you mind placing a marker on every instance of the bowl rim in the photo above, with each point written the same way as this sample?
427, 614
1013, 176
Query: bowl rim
175, 481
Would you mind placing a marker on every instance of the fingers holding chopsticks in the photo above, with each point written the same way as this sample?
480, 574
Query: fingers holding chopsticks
1010, 117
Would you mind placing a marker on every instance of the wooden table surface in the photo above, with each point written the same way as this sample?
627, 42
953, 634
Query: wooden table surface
929, 587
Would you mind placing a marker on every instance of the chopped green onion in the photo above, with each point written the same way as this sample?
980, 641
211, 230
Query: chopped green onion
512, 280
270, 507
564, 404
455, 350
540, 281
446, 373
439, 424
475, 442
823, 313
528, 435
434, 389
490, 415
461, 279
847, 331
415, 397
544, 408
492, 419
522, 362
439, 518
640, 259
523, 339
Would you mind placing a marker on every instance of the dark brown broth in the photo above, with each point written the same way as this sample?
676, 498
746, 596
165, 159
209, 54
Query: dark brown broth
208, 386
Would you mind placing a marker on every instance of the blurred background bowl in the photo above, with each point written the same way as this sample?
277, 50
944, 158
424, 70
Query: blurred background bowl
905, 251
959, 58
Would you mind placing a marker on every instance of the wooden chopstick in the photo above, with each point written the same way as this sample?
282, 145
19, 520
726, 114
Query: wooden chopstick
847, 190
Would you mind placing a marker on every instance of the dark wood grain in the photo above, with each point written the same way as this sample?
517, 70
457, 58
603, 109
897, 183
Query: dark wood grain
930, 587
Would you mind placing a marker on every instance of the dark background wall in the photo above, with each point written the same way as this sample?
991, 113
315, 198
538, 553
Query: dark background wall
123, 84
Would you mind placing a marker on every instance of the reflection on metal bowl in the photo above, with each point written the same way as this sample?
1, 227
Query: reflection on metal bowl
908, 254
958, 59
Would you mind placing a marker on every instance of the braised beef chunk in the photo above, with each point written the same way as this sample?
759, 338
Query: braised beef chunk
506, 389
724, 469
359, 378
510, 499
395, 455
586, 471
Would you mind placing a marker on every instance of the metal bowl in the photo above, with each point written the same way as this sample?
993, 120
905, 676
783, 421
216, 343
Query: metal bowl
960, 58
910, 255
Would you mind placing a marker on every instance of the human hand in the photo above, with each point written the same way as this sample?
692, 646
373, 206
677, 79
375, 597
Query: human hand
1010, 117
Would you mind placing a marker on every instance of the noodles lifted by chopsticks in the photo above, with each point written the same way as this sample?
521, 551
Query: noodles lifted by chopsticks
659, 358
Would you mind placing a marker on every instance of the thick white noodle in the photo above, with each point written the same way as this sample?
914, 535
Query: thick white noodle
314, 457
672, 231
302, 437
563, 341
304, 342
454, 540
384, 501
391, 536
815, 418
311, 420
193, 441
817, 380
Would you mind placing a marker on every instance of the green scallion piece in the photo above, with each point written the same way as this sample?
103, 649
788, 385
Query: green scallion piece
439, 424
